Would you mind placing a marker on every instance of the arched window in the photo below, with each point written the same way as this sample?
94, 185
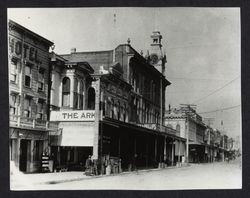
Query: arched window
112, 108
109, 108
76, 99
178, 128
125, 113
80, 95
65, 91
91, 98
118, 110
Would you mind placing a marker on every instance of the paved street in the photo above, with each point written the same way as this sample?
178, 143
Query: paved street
197, 176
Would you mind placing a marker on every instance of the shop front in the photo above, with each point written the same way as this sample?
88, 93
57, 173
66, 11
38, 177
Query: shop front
27, 147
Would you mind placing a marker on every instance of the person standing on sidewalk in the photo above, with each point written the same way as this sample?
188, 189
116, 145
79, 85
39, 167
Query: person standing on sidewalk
89, 166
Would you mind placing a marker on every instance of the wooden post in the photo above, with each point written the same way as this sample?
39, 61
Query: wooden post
172, 152
179, 151
97, 117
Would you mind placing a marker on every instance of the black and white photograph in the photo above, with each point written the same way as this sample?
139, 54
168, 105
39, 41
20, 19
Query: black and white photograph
124, 98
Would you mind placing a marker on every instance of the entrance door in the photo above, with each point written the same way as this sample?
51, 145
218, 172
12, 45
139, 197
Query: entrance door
23, 155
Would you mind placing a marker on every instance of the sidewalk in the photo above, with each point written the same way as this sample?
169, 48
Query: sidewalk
61, 177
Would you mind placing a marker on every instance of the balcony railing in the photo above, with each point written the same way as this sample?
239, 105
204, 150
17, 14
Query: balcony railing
21, 121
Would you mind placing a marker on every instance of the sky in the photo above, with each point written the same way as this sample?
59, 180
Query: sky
202, 47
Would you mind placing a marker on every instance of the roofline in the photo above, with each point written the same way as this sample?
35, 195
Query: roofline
30, 32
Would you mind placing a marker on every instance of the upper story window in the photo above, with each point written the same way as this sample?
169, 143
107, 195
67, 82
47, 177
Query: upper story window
81, 92
76, 99
27, 81
14, 104
91, 98
118, 110
124, 113
40, 109
65, 92
13, 72
27, 106
41, 73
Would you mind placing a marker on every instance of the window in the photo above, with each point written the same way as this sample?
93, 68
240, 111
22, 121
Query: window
13, 104
13, 72
118, 111
178, 128
27, 76
65, 92
124, 113
40, 109
38, 149
27, 107
91, 98
41, 79
81, 92
112, 108
75, 105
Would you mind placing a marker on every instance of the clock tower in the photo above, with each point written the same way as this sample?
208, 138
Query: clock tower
156, 56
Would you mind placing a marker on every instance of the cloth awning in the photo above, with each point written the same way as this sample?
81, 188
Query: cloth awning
74, 135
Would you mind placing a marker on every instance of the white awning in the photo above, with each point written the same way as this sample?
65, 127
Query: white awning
75, 135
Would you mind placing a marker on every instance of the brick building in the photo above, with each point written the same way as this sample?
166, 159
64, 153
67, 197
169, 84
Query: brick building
28, 96
128, 91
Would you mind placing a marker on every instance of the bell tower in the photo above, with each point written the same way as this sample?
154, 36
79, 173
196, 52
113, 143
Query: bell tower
156, 56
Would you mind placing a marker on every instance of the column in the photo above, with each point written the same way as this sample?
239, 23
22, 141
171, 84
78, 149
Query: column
172, 152
71, 100
179, 151
31, 156
97, 117
165, 150
156, 149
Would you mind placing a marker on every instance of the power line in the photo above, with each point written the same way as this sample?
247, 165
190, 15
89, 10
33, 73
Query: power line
216, 90
227, 108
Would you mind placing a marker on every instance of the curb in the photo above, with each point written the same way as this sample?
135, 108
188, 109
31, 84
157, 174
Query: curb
112, 175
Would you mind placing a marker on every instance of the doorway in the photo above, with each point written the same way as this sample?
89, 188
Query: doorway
23, 155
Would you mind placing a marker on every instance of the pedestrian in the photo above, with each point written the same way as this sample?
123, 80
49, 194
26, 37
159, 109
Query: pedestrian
88, 166
134, 163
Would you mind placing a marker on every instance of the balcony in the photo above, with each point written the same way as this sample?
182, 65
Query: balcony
157, 127
20, 121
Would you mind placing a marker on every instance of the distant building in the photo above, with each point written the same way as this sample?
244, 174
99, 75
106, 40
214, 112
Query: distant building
28, 96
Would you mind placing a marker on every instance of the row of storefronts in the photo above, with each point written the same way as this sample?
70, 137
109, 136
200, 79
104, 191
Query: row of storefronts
109, 105
205, 144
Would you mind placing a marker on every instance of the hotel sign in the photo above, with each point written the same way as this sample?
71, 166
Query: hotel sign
76, 116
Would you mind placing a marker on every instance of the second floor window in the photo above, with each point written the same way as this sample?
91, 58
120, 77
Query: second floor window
27, 107
13, 72
13, 104
65, 92
41, 79
27, 82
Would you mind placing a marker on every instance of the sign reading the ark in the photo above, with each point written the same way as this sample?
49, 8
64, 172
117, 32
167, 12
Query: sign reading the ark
86, 115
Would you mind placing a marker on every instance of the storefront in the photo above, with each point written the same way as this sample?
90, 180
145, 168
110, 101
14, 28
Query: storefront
27, 147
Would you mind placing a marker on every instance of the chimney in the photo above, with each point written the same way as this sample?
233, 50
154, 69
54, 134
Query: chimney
73, 50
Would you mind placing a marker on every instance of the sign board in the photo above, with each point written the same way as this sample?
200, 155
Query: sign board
76, 116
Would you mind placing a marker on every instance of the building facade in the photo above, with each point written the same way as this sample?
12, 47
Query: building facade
28, 97
125, 94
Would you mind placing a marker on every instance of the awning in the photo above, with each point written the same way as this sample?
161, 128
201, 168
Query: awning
74, 135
